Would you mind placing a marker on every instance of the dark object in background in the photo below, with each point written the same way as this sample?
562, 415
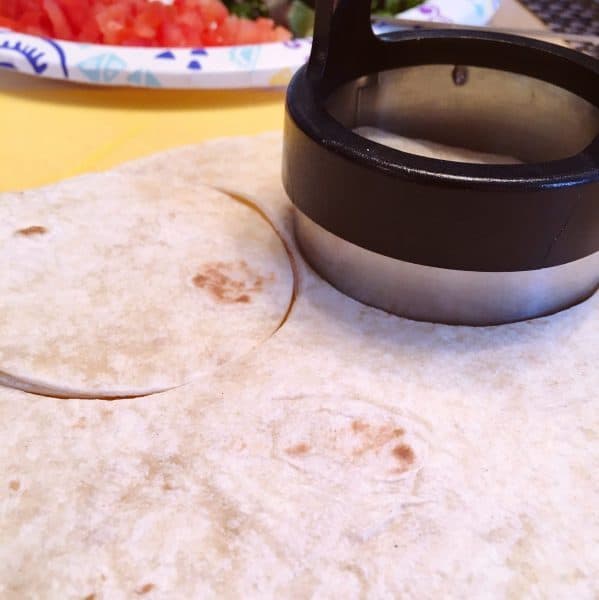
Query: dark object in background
570, 16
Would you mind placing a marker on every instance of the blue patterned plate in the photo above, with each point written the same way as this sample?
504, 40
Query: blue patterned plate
262, 65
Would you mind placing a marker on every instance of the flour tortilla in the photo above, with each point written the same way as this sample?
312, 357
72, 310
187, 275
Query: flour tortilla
432, 149
116, 286
354, 454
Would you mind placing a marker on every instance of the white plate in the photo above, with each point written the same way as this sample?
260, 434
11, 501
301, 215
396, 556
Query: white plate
261, 65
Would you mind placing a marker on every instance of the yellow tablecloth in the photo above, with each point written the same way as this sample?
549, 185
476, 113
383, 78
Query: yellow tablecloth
51, 130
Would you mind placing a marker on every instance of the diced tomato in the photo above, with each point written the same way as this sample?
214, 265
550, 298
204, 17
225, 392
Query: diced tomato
114, 22
192, 23
212, 11
90, 32
35, 20
10, 9
172, 35
60, 26
7, 23
78, 13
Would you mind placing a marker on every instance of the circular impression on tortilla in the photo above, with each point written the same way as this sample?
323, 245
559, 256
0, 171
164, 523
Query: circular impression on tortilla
115, 285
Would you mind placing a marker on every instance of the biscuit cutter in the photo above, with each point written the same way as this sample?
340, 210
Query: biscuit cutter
436, 240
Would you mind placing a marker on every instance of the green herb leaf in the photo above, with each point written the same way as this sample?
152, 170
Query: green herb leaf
250, 9
301, 19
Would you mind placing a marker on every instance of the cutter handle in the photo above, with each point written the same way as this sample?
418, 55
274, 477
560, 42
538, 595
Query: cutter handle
344, 44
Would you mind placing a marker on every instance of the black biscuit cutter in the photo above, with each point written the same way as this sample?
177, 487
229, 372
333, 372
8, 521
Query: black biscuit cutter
438, 240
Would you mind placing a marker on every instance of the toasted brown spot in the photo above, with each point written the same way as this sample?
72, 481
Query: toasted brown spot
14, 485
399, 431
372, 438
230, 282
404, 453
80, 424
358, 427
144, 589
90, 597
33, 230
298, 449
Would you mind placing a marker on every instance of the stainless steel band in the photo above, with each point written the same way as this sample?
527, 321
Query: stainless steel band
444, 295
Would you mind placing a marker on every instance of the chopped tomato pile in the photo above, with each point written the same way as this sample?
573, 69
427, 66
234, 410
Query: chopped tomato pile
138, 22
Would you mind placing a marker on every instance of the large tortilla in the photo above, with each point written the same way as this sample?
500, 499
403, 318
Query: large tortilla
354, 454
119, 286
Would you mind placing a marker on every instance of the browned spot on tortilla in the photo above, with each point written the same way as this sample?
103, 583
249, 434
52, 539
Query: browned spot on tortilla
144, 589
175, 459
90, 597
230, 283
14, 485
404, 453
33, 230
298, 449
373, 438
81, 423
358, 427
